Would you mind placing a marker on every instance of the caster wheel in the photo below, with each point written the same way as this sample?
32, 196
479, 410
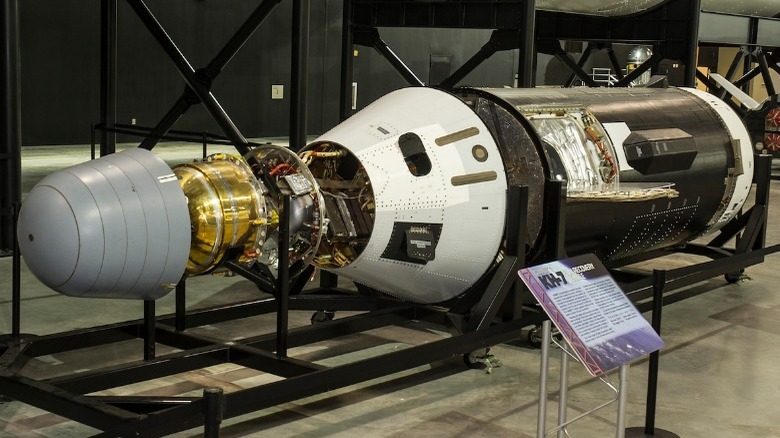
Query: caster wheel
476, 359
733, 277
535, 337
481, 360
321, 316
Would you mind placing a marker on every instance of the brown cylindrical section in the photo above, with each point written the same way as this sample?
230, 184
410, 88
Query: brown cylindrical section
687, 152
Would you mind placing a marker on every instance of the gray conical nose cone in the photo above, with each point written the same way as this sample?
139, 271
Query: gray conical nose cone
115, 227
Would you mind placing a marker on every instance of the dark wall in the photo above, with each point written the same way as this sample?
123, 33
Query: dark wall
60, 53
59, 74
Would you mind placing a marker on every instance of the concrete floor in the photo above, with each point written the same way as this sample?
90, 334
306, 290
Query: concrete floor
718, 369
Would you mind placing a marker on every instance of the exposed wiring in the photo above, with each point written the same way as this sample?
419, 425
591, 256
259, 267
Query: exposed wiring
597, 139
281, 167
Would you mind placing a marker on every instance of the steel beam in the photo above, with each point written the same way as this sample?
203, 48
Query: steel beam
283, 281
371, 38
526, 66
555, 212
52, 399
317, 382
139, 371
10, 123
347, 66
210, 72
580, 63
300, 71
575, 67
765, 73
614, 61
499, 40
692, 48
482, 55
735, 63
108, 70
189, 75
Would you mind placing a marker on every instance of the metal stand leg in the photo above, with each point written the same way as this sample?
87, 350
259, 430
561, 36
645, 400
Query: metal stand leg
283, 280
563, 422
526, 65
10, 122
108, 75
299, 79
541, 419
212, 411
16, 287
563, 392
649, 430
347, 58
149, 330
181, 306
622, 397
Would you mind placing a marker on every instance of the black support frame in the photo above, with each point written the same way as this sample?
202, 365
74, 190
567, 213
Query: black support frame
480, 325
155, 416
767, 58
198, 82
671, 28
203, 78
514, 24
108, 74
10, 124
201, 88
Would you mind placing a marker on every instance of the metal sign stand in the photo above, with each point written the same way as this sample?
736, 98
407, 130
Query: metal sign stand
649, 429
560, 430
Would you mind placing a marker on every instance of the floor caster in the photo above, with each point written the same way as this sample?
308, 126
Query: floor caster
481, 360
733, 277
321, 316
534, 337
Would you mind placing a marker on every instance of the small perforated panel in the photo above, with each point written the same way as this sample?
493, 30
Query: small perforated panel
654, 230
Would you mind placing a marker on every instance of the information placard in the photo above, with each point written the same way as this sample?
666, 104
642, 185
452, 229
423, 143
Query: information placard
592, 313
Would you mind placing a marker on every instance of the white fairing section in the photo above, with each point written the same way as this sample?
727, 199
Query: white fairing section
739, 133
115, 227
472, 214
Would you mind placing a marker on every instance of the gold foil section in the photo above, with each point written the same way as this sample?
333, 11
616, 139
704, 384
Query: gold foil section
227, 210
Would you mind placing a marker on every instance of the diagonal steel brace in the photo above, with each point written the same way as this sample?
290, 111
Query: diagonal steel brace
198, 82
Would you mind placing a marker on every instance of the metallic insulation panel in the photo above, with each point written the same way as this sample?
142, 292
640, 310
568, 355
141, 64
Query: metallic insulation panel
226, 207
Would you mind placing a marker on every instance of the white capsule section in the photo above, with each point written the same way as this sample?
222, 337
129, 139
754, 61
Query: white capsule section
439, 189
115, 227
743, 156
